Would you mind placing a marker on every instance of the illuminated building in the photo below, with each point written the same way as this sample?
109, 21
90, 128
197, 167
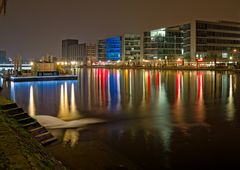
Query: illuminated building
205, 39
124, 47
196, 39
67, 48
80, 53
91, 52
159, 43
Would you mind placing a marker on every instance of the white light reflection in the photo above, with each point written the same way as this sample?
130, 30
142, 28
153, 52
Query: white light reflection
200, 109
31, 107
230, 106
164, 122
12, 92
119, 90
66, 113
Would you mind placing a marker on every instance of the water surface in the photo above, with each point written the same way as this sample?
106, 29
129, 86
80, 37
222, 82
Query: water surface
155, 119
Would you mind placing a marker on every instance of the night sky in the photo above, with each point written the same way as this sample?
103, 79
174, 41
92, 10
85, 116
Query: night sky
33, 28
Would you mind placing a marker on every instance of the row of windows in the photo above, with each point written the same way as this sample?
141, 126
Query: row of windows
164, 40
133, 39
186, 27
162, 51
186, 41
217, 27
187, 34
113, 46
167, 34
223, 41
217, 34
132, 53
132, 43
162, 45
135, 48
186, 49
214, 48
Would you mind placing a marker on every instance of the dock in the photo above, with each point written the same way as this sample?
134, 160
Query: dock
43, 78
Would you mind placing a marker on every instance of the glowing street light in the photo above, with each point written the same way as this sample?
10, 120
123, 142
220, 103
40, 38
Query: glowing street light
31, 63
73, 62
179, 60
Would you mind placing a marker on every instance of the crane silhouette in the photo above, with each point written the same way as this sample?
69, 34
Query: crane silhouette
3, 4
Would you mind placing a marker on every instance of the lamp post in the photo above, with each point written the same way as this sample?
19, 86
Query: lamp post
234, 52
165, 60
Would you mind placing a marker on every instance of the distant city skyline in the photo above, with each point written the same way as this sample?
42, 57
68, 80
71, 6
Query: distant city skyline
36, 28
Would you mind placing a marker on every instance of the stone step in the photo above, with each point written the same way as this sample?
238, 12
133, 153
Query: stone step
49, 141
8, 106
42, 134
31, 125
39, 132
26, 120
21, 116
45, 136
35, 128
17, 114
14, 111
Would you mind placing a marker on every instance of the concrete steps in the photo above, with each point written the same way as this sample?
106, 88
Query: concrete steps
31, 125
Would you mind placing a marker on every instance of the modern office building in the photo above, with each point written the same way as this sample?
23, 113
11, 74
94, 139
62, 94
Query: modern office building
80, 53
124, 47
67, 48
196, 39
77, 53
3, 57
163, 43
91, 53
209, 40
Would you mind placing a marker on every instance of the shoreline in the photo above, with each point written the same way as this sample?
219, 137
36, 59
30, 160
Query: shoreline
165, 68
19, 150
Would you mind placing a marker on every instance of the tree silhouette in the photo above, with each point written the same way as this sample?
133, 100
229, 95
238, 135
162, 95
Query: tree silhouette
3, 4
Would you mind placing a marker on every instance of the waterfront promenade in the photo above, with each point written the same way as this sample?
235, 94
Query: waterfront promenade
19, 150
166, 68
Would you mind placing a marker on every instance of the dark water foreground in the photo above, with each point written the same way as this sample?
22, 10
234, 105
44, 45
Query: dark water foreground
154, 119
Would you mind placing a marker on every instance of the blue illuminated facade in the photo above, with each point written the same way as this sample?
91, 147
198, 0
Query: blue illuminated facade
113, 48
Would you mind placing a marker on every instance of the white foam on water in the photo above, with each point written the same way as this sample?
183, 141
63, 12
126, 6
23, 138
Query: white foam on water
51, 122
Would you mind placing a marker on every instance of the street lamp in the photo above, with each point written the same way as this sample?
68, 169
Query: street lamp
166, 60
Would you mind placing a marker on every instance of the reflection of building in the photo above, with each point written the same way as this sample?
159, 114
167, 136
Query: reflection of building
124, 47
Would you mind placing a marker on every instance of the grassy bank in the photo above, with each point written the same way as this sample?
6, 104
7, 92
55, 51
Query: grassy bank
19, 150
